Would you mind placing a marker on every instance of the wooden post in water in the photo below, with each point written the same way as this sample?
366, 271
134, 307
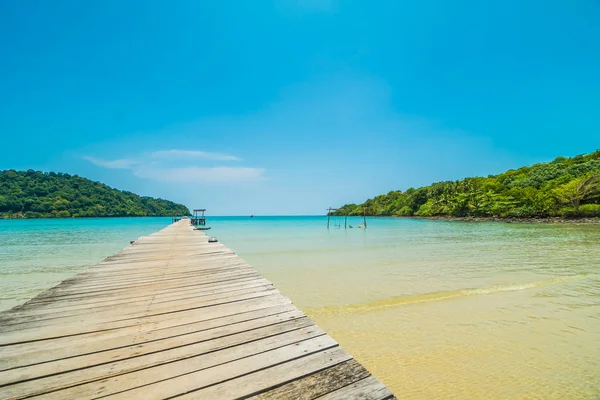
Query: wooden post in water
329, 210
364, 217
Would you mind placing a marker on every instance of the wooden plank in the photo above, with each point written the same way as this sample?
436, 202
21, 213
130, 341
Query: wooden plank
317, 384
367, 389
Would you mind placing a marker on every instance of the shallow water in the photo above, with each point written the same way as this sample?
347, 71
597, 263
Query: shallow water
38, 254
434, 309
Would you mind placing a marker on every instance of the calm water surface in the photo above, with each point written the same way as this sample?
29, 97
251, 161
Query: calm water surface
37, 254
434, 309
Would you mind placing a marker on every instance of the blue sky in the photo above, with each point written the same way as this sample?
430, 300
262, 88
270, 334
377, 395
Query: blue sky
289, 107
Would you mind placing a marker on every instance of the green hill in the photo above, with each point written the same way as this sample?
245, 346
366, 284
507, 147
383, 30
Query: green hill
34, 194
565, 187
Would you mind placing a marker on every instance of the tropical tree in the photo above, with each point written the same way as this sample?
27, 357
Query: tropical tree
578, 190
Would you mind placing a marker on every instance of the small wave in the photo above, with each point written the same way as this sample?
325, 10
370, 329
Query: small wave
422, 298
524, 286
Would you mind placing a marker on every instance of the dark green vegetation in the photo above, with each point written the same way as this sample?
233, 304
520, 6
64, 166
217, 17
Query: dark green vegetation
565, 187
34, 194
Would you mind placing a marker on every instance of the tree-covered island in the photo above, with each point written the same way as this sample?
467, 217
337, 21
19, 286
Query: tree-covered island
565, 187
34, 194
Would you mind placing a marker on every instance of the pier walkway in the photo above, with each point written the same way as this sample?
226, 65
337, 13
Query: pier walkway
172, 316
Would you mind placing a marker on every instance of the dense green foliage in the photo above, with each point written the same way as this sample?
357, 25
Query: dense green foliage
565, 187
34, 194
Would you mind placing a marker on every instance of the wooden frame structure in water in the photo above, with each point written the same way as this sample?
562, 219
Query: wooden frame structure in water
363, 225
198, 219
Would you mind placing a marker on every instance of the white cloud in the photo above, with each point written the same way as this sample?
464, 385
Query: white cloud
114, 164
179, 154
201, 174
169, 166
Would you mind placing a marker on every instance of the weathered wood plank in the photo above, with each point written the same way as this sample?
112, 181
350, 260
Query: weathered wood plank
367, 389
319, 383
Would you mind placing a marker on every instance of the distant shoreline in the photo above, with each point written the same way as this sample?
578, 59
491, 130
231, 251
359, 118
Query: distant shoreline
533, 220
87, 217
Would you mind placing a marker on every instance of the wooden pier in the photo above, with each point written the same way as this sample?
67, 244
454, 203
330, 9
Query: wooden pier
172, 316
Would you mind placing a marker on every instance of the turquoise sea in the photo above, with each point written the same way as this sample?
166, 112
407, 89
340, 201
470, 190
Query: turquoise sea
434, 309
